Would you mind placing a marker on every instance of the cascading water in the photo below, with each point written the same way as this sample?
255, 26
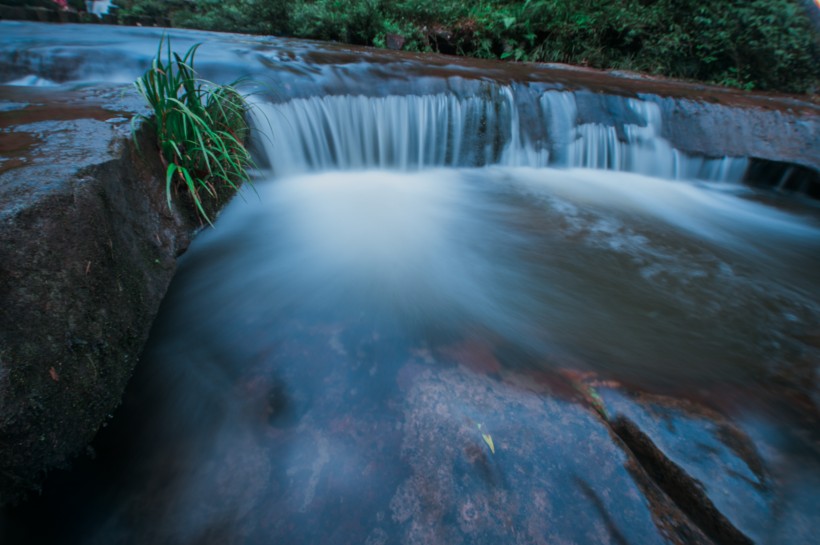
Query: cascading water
372, 345
406, 132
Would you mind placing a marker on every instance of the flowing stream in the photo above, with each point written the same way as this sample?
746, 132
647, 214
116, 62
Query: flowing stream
456, 223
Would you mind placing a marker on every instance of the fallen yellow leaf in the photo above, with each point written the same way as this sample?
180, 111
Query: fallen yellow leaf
489, 441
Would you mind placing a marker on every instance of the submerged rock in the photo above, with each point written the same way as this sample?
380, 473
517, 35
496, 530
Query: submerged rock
727, 477
331, 433
339, 437
701, 461
556, 474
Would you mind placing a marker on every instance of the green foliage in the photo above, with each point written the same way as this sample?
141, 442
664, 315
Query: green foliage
149, 8
349, 21
248, 16
761, 44
201, 127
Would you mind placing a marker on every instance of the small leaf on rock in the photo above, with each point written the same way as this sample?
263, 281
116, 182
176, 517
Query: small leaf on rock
489, 441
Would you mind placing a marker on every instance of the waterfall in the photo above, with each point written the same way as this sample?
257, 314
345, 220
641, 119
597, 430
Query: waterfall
411, 132
399, 132
643, 150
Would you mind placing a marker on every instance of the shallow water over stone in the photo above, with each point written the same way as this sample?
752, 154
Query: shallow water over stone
329, 358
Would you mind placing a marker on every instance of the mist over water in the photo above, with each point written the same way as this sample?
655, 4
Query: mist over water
615, 268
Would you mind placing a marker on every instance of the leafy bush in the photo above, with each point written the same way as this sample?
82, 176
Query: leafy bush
200, 126
149, 8
349, 21
248, 16
768, 44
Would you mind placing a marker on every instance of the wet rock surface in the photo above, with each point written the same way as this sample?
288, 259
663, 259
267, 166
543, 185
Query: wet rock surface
555, 475
703, 127
724, 475
703, 462
87, 249
344, 436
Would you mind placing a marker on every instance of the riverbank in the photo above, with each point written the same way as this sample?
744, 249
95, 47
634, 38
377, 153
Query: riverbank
766, 45
88, 246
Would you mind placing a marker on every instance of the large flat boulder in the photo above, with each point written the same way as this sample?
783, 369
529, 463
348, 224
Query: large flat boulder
88, 247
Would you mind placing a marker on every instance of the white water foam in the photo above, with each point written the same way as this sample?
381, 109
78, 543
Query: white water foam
31, 81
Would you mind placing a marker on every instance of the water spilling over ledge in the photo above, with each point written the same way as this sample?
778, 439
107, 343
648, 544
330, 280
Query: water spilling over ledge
410, 132
698, 123
454, 286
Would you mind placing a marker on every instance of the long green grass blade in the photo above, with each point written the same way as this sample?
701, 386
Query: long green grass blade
200, 126
169, 177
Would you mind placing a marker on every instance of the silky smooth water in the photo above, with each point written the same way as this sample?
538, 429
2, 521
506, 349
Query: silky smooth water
644, 278
302, 309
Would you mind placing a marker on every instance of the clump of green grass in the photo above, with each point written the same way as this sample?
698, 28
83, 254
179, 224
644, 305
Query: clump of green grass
201, 127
